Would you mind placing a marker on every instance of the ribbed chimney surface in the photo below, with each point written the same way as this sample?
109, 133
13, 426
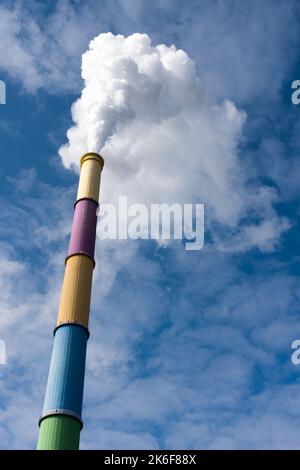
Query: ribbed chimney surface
61, 420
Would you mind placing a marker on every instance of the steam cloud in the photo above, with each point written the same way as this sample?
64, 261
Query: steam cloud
164, 140
126, 80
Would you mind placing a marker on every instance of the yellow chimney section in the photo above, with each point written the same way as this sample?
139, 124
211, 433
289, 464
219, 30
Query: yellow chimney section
74, 304
90, 174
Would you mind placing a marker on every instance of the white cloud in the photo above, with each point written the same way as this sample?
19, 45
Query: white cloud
43, 52
239, 47
15, 58
227, 40
175, 343
164, 140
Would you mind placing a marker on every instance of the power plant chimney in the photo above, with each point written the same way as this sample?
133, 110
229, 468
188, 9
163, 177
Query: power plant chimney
61, 420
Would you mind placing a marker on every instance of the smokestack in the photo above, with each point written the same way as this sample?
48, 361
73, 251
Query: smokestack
61, 421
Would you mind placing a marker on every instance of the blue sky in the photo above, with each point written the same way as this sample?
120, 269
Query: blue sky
187, 350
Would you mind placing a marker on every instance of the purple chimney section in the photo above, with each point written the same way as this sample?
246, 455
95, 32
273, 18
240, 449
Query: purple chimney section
84, 228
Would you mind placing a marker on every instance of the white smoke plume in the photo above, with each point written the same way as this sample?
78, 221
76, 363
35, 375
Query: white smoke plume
126, 79
164, 140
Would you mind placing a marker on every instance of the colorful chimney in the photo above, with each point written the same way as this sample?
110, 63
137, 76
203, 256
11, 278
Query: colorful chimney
61, 421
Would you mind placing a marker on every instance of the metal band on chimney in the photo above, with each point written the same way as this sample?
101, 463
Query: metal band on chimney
61, 412
80, 253
72, 323
92, 156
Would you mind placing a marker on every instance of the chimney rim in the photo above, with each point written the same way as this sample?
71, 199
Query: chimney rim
92, 156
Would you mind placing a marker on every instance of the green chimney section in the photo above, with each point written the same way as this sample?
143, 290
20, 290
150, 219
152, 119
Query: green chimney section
59, 432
